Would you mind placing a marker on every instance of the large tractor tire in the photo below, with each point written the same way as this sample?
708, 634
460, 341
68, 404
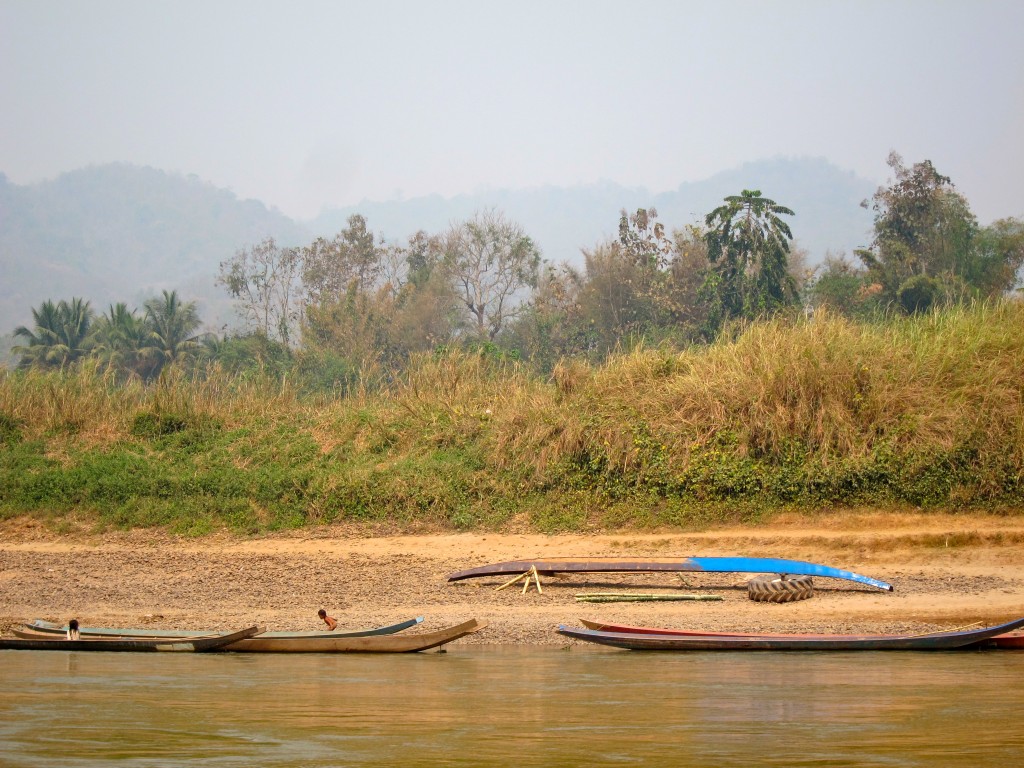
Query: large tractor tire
780, 589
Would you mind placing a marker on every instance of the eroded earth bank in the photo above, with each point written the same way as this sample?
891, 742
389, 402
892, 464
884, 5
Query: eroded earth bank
948, 571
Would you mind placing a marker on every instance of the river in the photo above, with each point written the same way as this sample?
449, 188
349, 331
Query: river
479, 705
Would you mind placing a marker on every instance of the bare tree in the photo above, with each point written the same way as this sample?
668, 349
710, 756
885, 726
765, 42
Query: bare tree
491, 262
266, 282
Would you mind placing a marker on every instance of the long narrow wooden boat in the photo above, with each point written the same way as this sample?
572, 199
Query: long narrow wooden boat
658, 564
1010, 641
40, 627
190, 645
1014, 641
398, 643
938, 641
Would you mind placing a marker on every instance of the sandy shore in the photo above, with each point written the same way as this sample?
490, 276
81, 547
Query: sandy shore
948, 571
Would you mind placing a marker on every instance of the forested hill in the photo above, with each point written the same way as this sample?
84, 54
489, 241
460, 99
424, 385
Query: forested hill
562, 220
122, 233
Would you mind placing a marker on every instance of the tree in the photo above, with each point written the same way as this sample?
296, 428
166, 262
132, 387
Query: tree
172, 335
687, 271
60, 336
490, 261
353, 327
613, 303
998, 255
552, 327
329, 267
420, 260
426, 314
842, 287
265, 280
924, 237
668, 271
119, 339
644, 239
412, 308
644, 285
646, 248
748, 244
248, 353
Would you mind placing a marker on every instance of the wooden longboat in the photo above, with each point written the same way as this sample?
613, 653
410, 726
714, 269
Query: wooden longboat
41, 628
398, 643
181, 645
1009, 641
674, 565
937, 641
1014, 641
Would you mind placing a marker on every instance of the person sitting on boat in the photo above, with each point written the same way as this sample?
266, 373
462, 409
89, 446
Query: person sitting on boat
73, 633
330, 621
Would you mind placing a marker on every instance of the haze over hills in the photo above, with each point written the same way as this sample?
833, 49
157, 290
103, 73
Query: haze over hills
826, 201
123, 233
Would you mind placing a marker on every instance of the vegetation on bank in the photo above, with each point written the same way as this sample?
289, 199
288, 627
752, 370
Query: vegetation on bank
459, 381
336, 311
816, 412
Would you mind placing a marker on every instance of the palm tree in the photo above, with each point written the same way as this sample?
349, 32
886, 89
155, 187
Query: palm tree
119, 340
748, 243
60, 336
172, 333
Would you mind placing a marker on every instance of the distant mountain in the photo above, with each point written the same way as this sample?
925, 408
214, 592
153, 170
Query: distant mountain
122, 233
826, 201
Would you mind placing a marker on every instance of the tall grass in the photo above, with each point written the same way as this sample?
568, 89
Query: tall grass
926, 410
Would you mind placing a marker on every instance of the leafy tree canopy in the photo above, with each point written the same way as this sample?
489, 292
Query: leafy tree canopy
748, 245
59, 337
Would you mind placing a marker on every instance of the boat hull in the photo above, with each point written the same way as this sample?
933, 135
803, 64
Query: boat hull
1009, 641
39, 628
664, 642
686, 565
179, 645
404, 643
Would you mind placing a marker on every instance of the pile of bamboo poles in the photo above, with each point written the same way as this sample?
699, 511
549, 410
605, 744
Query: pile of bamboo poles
623, 597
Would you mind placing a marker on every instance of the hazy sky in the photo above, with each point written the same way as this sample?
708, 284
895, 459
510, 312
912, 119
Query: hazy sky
307, 104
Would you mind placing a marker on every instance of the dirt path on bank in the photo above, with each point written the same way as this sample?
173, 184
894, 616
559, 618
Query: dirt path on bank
948, 571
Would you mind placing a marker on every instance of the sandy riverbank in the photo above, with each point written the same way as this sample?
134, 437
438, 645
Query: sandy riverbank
948, 571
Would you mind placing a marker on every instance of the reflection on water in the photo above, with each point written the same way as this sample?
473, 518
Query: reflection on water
524, 707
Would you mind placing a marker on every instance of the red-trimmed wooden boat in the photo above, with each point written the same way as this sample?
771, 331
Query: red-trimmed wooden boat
1013, 641
601, 626
181, 645
40, 627
937, 641
1009, 641
664, 564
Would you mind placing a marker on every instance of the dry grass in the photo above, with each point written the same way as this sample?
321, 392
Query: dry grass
829, 386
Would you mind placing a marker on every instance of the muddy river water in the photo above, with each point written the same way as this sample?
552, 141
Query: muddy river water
481, 705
